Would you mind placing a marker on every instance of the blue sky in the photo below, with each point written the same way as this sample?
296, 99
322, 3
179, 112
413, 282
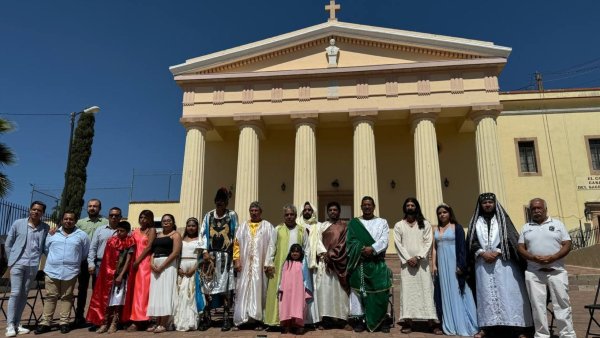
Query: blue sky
62, 56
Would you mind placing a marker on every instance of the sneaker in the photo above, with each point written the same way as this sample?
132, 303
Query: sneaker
10, 331
22, 330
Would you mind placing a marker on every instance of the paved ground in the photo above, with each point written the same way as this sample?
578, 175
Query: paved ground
581, 294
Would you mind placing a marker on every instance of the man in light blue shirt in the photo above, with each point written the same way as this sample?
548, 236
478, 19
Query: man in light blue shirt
65, 250
24, 247
100, 238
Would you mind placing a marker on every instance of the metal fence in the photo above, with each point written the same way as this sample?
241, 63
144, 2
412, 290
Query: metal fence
584, 237
9, 212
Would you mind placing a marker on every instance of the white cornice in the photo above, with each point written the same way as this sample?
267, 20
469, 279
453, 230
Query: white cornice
408, 38
417, 66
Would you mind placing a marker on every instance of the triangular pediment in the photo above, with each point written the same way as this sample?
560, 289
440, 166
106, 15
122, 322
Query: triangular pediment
359, 45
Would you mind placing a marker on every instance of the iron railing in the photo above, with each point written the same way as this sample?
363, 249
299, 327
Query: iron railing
584, 237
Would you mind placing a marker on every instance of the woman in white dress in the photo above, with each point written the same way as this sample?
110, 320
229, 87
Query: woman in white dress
163, 289
186, 312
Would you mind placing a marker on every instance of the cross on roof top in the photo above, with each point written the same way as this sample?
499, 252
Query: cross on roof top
332, 7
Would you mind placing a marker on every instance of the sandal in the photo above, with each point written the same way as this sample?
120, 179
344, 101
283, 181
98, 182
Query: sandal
406, 330
160, 329
437, 331
259, 327
480, 334
151, 328
132, 328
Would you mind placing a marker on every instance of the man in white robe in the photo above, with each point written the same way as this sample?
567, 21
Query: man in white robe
250, 248
309, 220
330, 278
413, 239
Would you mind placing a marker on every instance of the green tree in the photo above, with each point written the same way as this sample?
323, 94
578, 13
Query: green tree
7, 157
76, 176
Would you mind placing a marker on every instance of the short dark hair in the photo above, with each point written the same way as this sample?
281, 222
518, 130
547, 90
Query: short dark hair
97, 200
116, 208
68, 212
40, 203
124, 225
367, 198
334, 204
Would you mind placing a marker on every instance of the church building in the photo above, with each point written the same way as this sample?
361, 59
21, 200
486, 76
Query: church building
338, 111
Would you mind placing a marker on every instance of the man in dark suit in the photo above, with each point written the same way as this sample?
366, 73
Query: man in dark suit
24, 247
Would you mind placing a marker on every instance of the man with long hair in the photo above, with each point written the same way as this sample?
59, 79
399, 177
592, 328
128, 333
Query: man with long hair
413, 239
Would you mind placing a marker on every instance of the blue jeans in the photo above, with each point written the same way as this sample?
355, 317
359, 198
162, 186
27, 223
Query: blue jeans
21, 277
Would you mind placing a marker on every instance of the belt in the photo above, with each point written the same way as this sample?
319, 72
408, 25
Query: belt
546, 269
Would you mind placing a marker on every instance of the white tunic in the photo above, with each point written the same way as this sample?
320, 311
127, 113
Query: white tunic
416, 292
332, 301
251, 283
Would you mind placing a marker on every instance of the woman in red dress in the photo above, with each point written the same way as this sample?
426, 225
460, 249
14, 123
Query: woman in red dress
139, 282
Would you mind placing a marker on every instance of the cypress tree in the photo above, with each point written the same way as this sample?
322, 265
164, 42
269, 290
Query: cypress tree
81, 150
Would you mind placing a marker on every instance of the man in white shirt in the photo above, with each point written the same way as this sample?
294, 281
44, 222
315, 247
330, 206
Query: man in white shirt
544, 242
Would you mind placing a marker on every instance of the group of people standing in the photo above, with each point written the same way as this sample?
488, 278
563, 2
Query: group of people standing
332, 274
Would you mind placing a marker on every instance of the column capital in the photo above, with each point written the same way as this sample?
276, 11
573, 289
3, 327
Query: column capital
305, 117
368, 115
252, 120
420, 113
196, 122
483, 110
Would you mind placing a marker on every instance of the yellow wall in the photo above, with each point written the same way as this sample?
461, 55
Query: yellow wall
158, 208
562, 151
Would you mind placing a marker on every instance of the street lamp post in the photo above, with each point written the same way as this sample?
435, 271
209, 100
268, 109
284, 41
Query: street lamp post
90, 110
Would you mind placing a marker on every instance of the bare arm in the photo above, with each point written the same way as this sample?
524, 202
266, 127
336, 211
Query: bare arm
433, 260
174, 254
119, 278
151, 237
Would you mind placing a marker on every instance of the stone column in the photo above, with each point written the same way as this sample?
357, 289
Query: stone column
427, 163
305, 159
246, 186
192, 178
365, 162
488, 151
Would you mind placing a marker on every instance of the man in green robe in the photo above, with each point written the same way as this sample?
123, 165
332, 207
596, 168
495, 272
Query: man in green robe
370, 278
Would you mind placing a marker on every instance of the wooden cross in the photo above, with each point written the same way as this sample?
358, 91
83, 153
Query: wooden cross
332, 7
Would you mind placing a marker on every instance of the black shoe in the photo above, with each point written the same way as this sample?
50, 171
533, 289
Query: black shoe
359, 327
92, 328
385, 328
64, 328
80, 322
42, 329
204, 325
226, 326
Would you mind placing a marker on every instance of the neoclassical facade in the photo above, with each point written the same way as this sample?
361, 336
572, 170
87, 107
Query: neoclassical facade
338, 111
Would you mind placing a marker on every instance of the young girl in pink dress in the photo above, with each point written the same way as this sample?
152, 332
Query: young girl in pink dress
295, 290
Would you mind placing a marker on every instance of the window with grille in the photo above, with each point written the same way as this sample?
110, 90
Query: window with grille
527, 157
594, 146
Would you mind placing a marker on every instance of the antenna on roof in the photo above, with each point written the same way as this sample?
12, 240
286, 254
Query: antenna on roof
539, 82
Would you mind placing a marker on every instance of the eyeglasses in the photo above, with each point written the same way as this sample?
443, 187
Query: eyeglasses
114, 215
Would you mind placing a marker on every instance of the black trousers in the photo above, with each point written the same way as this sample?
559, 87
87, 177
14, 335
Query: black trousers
83, 282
